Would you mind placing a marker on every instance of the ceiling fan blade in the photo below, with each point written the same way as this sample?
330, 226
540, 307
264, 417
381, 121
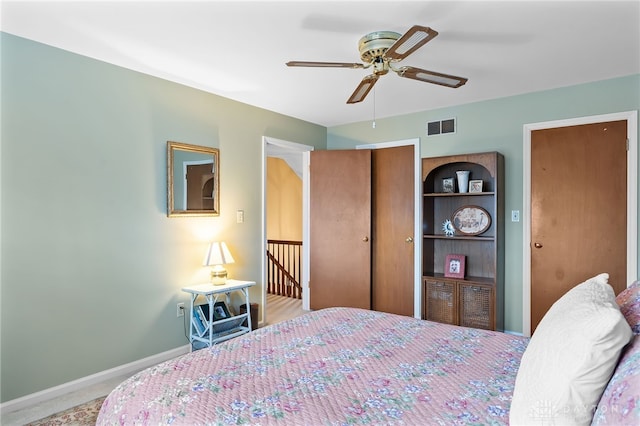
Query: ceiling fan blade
431, 77
412, 40
363, 89
324, 64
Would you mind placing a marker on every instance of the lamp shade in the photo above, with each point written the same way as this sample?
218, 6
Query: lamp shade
217, 254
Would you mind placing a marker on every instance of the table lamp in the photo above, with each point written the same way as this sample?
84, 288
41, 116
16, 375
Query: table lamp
217, 256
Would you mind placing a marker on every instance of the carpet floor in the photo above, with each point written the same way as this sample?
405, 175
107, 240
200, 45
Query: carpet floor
81, 415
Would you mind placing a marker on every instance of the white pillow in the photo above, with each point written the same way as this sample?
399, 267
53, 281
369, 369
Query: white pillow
570, 357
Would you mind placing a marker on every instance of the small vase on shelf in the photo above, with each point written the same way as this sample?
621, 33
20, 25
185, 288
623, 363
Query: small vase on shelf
463, 180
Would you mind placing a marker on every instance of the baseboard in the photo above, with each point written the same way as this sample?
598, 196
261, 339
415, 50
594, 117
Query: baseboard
75, 385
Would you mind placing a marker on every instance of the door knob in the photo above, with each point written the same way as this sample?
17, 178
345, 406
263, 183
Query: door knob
365, 239
409, 240
537, 245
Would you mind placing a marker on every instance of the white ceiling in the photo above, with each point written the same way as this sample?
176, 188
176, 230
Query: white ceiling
238, 49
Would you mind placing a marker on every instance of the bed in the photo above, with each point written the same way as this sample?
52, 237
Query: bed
341, 366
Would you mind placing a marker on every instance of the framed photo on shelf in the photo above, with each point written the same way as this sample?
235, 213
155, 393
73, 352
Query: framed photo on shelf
220, 311
448, 185
454, 266
475, 186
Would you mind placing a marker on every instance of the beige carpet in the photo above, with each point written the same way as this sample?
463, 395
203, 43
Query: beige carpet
82, 415
280, 308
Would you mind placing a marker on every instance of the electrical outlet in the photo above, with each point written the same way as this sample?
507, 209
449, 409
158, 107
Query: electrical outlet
180, 309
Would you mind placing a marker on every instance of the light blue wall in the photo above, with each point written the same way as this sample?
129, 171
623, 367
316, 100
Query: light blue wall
92, 267
497, 125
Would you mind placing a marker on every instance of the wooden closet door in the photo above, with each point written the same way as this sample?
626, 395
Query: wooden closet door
578, 209
340, 229
393, 210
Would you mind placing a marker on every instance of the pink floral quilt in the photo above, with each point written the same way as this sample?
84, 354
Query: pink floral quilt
337, 366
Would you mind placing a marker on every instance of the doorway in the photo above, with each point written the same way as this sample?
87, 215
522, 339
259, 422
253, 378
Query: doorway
297, 156
588, 134
304, 151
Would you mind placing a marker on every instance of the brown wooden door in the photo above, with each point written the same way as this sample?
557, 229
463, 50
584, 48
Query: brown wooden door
393, 224
340, 229
578, 209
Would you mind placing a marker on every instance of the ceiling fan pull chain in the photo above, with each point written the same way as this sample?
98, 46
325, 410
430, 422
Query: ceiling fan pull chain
374, 108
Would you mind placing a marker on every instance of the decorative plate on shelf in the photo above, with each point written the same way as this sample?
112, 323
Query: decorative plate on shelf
471, 220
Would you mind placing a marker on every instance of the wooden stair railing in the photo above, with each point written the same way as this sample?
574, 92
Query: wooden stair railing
284, 261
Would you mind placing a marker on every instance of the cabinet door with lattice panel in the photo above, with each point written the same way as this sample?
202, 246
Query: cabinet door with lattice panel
440, 301
476, 306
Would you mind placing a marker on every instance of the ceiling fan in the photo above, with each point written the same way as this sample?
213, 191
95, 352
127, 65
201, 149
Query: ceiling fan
382, 50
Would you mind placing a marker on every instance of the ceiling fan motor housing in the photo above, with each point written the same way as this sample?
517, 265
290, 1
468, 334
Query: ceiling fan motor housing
374, 45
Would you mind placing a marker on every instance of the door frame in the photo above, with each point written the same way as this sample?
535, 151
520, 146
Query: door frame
632, 198
303, 150
417, 219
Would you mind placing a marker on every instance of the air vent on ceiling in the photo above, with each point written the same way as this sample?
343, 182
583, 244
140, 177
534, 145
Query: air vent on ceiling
441, 127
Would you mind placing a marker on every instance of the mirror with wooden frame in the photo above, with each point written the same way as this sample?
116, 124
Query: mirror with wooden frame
193, 184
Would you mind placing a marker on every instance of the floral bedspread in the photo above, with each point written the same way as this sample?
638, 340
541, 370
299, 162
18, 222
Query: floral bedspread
338, 366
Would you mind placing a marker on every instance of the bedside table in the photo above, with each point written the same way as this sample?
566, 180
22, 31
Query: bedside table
212, 331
